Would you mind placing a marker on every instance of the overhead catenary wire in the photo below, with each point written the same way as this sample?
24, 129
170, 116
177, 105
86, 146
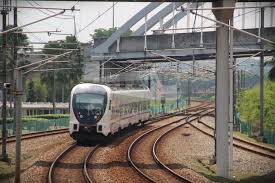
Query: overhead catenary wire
225, 8
29, 7
176, 60
246, 59
245, 32
45, 18
45, 60
29, 2
57, 49
96, 18
59, 69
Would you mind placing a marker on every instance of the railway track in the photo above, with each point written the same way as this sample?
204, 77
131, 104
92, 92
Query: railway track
37, 134
71, 165
238, 142
61, 171
11, 139
162, 172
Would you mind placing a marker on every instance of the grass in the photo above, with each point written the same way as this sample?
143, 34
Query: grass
209, 171
7, 168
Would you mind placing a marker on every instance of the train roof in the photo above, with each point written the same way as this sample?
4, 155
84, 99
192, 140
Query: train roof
118, 88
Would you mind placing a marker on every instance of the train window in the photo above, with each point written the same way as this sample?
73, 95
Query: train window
89, 107
110, 105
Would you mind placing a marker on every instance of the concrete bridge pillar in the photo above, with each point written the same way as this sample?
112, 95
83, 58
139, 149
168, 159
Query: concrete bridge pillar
222, 84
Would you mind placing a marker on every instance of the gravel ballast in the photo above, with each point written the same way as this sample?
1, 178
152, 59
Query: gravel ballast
109, 163
37, 155
195, 150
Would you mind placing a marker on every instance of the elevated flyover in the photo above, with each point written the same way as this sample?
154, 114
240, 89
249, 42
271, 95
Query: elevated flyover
186, 44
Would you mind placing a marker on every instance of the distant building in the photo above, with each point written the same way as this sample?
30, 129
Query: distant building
37, 108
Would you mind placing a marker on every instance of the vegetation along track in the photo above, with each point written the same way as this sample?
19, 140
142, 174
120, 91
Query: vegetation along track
238, 142
37, 134
157, 171
71, 164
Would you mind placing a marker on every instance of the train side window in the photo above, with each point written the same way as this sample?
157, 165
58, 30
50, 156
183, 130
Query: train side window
110, 105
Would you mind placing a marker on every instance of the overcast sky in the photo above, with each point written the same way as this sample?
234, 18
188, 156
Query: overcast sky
89, 11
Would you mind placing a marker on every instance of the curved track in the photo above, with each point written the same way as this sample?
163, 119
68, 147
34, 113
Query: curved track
189, 119
62, 168
238, 142
88, 178
163, 173
71, 165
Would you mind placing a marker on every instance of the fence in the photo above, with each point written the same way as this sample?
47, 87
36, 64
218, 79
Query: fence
171, 106
51, 124
247, 128
40, 125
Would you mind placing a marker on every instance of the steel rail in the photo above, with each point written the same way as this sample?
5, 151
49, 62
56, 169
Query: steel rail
11, 139
239, 139
130, 149
87, 177
269, 155
154, 147
54, 163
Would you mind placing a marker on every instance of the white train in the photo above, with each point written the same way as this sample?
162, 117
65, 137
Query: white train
97, 111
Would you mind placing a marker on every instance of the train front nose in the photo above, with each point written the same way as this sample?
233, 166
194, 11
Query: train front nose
89, 107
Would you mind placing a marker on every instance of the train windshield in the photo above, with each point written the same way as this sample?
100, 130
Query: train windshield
89, 107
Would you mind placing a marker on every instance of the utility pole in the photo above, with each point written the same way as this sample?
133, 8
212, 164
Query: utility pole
188, 91
222, 100
231, 98
177, 85
54, 93
262, 78
4, 13
100, 72
113, 14
18, 105
74, 27
14, 62
234, 94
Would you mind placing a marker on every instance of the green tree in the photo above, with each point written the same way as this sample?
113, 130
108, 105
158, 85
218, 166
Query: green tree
30, 92
64, 78
22, 40
36, 91
101, 32
249, 106
271, 73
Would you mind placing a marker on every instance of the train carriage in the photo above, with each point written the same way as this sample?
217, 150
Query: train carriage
98, 111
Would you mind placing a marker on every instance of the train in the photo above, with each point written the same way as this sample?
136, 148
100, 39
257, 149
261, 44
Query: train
98, 111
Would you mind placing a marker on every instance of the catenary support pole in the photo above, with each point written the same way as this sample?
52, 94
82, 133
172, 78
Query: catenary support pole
145, 33
188, 91
4, 103
222, 101
113, 15
234, 94
262, 79
173, 34
18, 105
54, 92
14, 61
100, 72
177, 85
201, 29
231, 101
